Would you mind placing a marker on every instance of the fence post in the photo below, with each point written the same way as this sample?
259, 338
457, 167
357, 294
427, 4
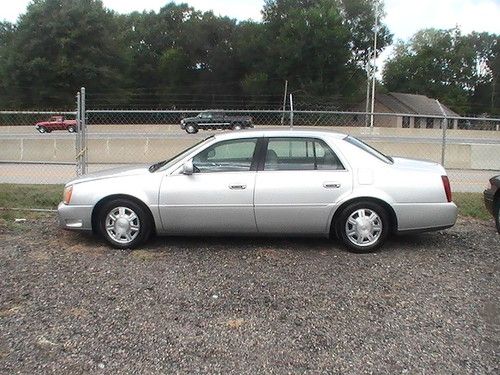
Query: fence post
444, 126
84, 132
291, 111
78, 138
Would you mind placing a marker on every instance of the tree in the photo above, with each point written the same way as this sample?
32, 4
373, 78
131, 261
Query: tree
58, 46
444, 64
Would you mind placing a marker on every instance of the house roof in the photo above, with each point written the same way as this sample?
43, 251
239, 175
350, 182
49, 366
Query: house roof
412, 103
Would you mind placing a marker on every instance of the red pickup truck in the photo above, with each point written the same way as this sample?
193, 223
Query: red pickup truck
56, 123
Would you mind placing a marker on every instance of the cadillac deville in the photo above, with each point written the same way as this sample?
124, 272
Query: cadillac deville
265, 182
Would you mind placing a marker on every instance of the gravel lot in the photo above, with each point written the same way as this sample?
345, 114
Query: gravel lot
426, 303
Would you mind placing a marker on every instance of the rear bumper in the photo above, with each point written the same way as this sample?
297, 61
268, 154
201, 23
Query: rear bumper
421, 217
75, 217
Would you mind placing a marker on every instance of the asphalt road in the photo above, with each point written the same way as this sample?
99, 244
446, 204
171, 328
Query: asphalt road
204, 134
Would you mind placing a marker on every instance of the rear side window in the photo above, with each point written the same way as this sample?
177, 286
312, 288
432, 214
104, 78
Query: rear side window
288, 154
367, 148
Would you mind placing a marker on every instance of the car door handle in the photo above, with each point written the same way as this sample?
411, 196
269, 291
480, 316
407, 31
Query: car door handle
237, 187
331, 185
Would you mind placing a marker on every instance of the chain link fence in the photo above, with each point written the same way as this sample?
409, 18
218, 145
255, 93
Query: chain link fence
43, 148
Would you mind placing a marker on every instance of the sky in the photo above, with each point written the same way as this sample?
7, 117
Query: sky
403, 17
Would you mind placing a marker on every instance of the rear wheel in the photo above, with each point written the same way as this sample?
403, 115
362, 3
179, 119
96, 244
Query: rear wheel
191, 129
237, 126
71, 129
363, 226
124, 224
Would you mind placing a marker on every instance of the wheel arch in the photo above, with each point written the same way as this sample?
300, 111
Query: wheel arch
104, 200
390, 211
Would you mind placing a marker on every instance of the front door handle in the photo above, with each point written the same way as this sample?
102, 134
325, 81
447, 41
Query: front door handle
237, 187
331, 185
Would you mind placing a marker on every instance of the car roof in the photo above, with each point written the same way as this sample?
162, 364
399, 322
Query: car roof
273, 132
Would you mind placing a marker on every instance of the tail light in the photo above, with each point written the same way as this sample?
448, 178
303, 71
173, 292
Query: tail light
447, 187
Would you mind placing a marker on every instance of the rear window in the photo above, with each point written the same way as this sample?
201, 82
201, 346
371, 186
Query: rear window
367, 148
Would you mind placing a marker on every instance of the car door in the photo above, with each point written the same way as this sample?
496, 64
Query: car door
218, 196
298, 186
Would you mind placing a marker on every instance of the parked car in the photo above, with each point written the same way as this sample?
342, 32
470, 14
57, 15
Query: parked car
215, 120
253, 182
56, 123
492, 199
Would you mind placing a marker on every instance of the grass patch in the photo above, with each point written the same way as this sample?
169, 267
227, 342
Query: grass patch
471, 205
30, 196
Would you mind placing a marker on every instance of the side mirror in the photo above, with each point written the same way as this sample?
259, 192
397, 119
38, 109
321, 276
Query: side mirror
188, 168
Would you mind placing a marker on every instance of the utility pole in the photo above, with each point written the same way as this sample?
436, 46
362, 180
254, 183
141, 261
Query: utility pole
374, 62
284, 103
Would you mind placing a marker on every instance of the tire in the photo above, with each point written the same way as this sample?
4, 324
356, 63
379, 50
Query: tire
126, 231
237, 126
71, 129
353, 230
191, 129
42, 129
496, 211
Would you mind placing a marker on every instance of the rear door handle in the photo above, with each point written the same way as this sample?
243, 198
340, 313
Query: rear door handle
237, 187
331, 185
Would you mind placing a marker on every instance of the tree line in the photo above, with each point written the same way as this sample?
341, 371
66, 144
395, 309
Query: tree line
180, 57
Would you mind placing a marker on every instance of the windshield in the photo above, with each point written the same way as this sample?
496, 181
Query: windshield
169, 162
362, 145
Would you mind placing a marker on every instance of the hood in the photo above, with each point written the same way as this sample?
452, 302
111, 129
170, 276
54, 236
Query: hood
135, 170
417, 164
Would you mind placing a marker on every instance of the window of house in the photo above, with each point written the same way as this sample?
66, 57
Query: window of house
406, 122
429, 123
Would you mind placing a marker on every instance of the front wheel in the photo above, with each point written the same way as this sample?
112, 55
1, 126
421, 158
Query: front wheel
71, 129
191, 129
42, 129
124, 224
237, 127
363, 226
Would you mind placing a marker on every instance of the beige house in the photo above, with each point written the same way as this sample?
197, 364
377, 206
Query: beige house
410, 111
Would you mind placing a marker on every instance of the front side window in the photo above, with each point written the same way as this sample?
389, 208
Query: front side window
206, 115
288, 154
226, 156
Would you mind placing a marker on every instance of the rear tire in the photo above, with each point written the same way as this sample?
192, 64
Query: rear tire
237, 127
363, 226
71, 129
191, 129
124, 224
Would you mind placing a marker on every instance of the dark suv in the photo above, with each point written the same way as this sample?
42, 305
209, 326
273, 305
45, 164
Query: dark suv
215, 120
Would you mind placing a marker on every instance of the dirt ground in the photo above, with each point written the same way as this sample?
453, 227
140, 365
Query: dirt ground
426, 303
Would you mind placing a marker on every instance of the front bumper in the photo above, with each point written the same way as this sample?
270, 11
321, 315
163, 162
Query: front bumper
488, 200
75, 217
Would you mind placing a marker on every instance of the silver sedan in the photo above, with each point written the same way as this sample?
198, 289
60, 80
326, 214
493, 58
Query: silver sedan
273, 182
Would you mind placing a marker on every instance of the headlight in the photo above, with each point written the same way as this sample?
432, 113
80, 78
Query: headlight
68, 190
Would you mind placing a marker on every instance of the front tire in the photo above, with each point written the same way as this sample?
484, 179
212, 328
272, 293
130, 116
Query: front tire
191, 129
363, 226
71, 129
124, 224
42, 130
237, 127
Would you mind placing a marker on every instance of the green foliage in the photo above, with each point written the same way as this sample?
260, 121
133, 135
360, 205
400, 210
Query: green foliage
30, 196
460, 70
320, 46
